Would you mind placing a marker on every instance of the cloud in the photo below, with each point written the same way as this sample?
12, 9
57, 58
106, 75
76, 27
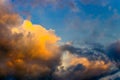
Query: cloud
87, 63
95, 49
91, 62
114, 52
115, 76
2, 1
29, 51
26, 50
74, 67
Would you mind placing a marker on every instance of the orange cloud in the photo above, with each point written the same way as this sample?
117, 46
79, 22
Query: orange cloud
91, 68
30, 50
26, 49
43, 42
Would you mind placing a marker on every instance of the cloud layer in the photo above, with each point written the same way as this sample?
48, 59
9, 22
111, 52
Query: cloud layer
31, 52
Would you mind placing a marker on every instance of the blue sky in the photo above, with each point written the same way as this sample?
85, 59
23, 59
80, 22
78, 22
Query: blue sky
74, 20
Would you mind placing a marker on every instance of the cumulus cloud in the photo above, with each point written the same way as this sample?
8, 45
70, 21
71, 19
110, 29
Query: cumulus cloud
26, 50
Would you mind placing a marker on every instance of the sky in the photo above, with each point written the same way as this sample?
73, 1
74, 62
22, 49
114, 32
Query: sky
59, 40
74, 20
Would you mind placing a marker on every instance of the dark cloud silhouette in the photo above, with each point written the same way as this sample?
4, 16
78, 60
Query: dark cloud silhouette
113, 52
